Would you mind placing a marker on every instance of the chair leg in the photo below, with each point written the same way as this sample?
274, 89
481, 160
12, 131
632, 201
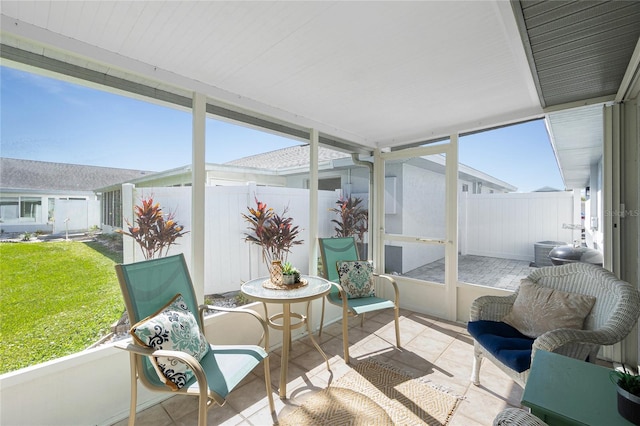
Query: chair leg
477, 363
202, 410
134, 389
267, 379
362, 320
345, 332
345, 340
397, 321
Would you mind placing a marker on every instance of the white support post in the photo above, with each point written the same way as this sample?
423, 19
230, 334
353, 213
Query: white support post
378, 211
576, 232
128, 244
611, 188
313, 202
198, 194
451, 246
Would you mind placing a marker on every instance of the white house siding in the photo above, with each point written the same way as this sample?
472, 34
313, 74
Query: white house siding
508, 225
83, 213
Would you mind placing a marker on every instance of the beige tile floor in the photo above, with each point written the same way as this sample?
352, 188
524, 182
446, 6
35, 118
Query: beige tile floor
437, 350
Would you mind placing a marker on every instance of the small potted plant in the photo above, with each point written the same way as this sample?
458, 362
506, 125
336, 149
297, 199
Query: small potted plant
628, 387
290, 275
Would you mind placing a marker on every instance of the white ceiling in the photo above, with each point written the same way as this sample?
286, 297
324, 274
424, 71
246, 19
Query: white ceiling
380, 74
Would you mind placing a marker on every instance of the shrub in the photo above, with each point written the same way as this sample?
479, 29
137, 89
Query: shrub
153, 232
352, 218
274, 233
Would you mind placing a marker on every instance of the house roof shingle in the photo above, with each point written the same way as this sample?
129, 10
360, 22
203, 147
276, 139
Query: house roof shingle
294, 156
46, 176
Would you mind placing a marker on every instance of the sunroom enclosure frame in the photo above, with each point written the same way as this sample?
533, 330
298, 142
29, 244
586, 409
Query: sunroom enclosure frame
103, 371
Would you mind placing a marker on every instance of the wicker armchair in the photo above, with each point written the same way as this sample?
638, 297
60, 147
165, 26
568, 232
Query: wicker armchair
516, 417
612, 317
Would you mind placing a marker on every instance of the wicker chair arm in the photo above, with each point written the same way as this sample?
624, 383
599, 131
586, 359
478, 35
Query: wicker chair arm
517, 417
257, 316
491, 308
554, 339
393, 282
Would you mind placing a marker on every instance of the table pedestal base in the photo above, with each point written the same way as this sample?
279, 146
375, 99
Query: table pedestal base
286, 327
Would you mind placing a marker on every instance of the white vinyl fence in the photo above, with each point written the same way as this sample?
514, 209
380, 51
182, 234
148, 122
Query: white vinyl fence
508, 225
230, 260
76, 215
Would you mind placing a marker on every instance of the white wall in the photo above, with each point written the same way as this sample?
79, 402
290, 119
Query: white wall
81, 215
508, 225
230, 260
92, 387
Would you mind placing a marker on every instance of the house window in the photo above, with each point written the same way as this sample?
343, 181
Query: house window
30, 207
465, 187
112, 208
9, 208
20, 209
51, 209
329, 184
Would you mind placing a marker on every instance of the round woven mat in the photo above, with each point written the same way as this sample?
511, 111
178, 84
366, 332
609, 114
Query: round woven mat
373, 393
273, 286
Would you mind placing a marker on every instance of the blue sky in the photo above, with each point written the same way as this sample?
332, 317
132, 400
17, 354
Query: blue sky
50, 120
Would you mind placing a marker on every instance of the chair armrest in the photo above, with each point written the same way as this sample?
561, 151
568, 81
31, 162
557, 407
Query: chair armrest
555, 339
188, 359
491, 308
392, 281
257, 316
129, 346
343, 294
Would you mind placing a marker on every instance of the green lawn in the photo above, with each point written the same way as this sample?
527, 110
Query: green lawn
56, 298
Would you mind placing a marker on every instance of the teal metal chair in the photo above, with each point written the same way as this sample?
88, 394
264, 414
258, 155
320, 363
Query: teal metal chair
147, 286
338, 249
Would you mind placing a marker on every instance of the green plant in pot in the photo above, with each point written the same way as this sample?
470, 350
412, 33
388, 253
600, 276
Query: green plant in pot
290, 275
628, 388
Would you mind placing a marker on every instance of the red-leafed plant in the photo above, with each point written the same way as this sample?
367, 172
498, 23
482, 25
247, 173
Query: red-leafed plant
274, 233
154, 232
352, 218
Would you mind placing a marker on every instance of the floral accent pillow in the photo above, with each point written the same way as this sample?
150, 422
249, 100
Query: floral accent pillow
539, 309
173, 327
356, 278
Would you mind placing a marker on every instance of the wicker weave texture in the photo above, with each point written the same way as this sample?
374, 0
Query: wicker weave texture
613, 316
516, 417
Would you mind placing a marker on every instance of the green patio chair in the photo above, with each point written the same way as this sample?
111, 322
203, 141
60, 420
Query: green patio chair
333, 251
150, 290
